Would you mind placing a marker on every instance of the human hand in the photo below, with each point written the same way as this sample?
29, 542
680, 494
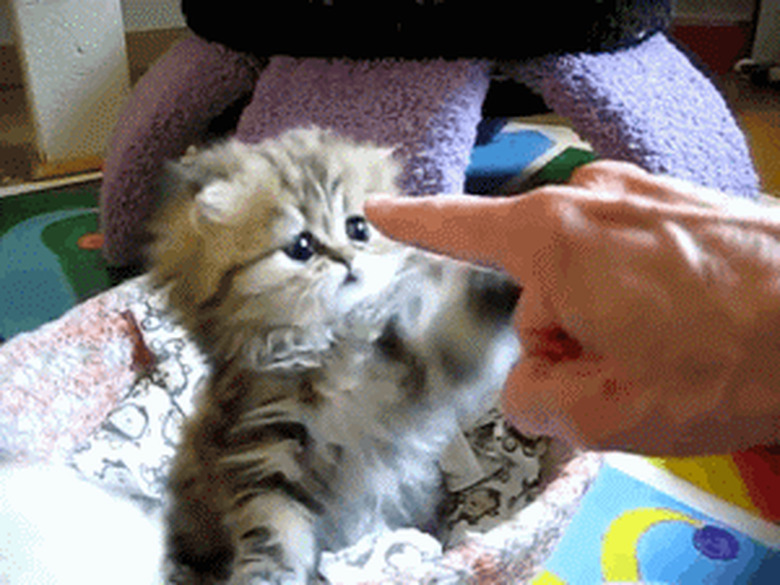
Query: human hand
650, 310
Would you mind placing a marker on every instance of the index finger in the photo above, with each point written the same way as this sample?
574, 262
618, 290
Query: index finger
475, 229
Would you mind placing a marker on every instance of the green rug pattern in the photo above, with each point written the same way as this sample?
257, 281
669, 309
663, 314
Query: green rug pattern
49, 256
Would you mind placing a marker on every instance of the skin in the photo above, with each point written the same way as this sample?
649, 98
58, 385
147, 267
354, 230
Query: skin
650, 313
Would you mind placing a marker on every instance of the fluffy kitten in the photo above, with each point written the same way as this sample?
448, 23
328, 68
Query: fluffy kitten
343, 363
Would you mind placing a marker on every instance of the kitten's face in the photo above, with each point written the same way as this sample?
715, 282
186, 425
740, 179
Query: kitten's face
321, 255
273, 235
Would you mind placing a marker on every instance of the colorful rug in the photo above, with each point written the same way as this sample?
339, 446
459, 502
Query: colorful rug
49, 256
655, 521
50, 246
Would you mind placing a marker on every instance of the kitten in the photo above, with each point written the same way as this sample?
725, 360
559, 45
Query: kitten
343, 363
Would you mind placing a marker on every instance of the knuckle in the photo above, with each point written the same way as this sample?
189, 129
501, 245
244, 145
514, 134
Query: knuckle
605, 173
562, 215
549, 202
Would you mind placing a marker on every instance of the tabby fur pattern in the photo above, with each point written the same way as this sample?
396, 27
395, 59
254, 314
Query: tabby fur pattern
343, 362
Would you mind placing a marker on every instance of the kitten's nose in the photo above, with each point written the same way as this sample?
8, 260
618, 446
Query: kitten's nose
492, 295
346, 257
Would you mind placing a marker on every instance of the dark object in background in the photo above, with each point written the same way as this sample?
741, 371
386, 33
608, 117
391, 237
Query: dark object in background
495, 29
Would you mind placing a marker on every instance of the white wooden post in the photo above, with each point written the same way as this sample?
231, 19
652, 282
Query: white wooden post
76, 78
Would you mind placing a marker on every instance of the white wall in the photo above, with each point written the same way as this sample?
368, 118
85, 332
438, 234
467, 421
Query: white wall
137, 15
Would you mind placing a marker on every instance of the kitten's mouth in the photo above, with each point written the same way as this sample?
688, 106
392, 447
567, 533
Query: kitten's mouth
368, 277
352, 276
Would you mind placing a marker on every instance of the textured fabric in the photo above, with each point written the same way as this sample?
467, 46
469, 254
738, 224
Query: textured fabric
116, 415
429, 110
649, 105
170, 108
58, 383
646, 104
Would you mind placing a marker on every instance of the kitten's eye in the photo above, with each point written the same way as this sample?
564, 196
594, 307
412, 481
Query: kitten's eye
303, 248
357, 228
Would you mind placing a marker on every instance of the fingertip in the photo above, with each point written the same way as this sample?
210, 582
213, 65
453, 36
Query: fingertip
379, 208
375, 202
470, 228
384, 205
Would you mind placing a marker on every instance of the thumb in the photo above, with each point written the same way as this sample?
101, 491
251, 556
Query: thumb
470, 228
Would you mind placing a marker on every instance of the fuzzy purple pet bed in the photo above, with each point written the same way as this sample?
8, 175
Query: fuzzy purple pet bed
641, 101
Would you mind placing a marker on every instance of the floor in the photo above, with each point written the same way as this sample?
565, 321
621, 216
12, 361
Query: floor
758, 111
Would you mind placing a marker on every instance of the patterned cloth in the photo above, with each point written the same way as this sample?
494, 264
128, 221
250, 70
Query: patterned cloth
126, 377
59, 382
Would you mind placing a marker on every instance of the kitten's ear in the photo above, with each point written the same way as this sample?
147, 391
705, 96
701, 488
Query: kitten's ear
387, 152
182, 174
189, 179
383, 168
215, 203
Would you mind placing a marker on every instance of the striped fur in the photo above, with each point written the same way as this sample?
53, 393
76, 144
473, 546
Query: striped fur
343, 363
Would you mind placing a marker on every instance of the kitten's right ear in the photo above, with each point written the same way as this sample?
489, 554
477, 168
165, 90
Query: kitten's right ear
189, 181
185, 175
214, 203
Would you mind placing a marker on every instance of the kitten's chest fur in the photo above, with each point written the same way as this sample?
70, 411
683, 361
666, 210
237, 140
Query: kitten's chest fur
361, 428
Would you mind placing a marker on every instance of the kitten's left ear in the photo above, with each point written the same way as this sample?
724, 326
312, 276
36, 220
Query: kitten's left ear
384, 169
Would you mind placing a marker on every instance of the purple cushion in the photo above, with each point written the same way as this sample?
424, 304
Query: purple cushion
429, 110
646, 104
649, 105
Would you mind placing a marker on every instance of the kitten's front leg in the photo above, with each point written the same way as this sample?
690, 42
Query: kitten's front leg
275, 542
